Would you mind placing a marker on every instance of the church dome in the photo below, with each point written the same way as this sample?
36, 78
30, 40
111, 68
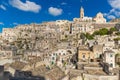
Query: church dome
99, 15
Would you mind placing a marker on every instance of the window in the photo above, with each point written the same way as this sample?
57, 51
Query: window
111, 65
83, 56
111, 55
59, 53
53, 58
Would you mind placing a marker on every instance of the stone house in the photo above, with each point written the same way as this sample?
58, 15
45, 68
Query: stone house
6, 54
97, 50
85, 54
10, 34
82, 27
109, 57
31, 55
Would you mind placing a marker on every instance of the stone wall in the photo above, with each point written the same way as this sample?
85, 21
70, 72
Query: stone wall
103, 25
100, 77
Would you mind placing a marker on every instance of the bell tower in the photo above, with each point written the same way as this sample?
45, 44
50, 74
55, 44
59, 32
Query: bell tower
82, 12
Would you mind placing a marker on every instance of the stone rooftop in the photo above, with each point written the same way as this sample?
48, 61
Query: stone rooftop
84, 48
55, 74
96, 72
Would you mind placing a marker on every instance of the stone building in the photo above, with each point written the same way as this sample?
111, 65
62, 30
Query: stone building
82, 27
82, 18
31, 55
6, 53
60, 56
10, 34
63, 25
97, 50
109, 57
84, 54
99, 18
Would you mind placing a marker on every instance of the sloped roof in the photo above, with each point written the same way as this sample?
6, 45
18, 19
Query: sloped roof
55, 74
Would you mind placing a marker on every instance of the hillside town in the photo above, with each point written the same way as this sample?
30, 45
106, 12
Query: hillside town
86, 48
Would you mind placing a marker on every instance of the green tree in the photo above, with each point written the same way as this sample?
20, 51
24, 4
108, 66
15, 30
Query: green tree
89, 37
117, 39
118, 33
112, 30
96, 33
103, 31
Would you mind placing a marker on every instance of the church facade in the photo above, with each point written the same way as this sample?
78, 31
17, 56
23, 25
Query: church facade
99, 18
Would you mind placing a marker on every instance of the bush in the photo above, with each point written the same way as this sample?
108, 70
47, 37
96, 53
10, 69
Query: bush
102, 31
112, 30
96, 33
118, 33
117, 39
89, 37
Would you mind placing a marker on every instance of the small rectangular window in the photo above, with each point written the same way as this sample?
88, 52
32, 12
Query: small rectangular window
111, 55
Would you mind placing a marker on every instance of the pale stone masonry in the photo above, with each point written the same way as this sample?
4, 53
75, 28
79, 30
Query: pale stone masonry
59, 43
